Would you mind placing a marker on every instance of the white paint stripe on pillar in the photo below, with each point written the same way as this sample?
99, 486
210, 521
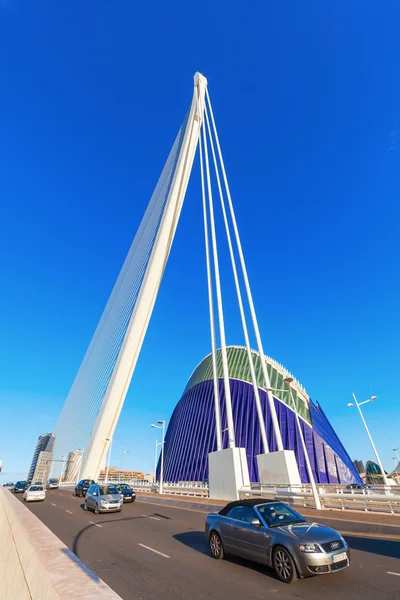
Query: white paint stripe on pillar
155, 551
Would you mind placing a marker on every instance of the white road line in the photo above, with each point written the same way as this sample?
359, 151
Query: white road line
53, 504
391, 573
68, 511
97, 525
156, 551
148, 516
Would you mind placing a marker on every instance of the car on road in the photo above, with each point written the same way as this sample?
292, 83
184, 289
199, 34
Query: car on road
34, 493
103, 498
359, 488
82, 487
9, 486
274, 534
52, 484
129, 495
20, 487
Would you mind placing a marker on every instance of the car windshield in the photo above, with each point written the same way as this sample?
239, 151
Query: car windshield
21, 483
108, 489
36, 488
124, 486
278, 513
53, 481
87, 482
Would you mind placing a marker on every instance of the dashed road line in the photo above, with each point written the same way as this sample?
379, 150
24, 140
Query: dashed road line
93, 523
53, 504
149, 517
155, 551
68, 511
391, 573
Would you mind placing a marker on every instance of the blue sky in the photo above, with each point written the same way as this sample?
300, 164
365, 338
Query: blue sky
307, 100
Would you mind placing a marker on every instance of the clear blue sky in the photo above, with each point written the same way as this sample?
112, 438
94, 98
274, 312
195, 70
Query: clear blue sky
307, 99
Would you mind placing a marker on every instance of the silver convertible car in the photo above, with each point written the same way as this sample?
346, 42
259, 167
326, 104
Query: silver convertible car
274, 534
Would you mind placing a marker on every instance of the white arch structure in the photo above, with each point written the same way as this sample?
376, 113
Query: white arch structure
93, 406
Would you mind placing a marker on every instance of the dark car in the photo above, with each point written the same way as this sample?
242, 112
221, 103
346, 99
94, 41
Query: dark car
20, 487
127, 492
358, 488
82, 487
273, 534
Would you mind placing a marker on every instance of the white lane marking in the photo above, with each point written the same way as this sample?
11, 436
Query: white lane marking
156, 551
53, 504
391, 573
68, 511
148, 516
97, 525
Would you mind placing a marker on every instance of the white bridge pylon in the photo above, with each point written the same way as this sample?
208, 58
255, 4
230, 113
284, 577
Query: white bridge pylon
93, 406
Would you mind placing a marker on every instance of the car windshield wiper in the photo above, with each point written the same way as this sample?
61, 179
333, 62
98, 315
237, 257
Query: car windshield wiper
287, 523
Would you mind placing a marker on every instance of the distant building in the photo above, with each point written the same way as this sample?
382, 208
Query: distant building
115, 474
72, 467
43, 466
359, 465
374, 474
44, 444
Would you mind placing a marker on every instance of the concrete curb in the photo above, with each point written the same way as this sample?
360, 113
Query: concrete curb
36, 565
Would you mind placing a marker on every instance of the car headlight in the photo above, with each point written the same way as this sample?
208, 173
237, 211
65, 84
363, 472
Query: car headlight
309, 548
103, 501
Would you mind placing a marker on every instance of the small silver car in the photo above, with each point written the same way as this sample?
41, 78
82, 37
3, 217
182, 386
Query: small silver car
103, 498
274, 534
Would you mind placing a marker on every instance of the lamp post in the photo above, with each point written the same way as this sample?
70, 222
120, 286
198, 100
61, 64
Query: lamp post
81, 451
108, 458
317, 502
63, 458
396, 453
161, 425
155, 461
123, 451
359, 404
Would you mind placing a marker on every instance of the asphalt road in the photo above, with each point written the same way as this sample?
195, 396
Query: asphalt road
150, 552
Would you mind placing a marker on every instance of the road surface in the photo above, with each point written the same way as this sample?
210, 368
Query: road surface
148, 552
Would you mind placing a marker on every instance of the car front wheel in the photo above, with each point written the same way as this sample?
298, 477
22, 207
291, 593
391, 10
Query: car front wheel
284, 565
216, 547
96, 509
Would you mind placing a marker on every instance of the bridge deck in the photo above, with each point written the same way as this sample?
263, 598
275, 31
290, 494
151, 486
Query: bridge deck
151, 551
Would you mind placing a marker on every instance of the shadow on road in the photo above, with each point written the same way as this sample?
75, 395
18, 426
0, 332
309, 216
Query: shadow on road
100, 522
197, 541
373, 545
80, 564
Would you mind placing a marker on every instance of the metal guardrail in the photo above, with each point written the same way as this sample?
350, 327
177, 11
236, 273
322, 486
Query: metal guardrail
381, 500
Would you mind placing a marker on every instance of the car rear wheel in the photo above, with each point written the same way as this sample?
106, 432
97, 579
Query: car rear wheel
216, 547
284, 565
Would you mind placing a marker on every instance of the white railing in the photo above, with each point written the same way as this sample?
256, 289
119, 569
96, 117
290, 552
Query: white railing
331, 496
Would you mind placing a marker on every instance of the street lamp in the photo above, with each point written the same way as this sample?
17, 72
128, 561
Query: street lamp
63, 458
108, 458
81, 451
358, 404
123, 451
397, 453
155, 460
161, 425
289, 381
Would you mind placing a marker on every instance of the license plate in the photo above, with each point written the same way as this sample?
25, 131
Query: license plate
339, 557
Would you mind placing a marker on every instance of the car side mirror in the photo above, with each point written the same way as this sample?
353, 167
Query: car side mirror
256, 523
